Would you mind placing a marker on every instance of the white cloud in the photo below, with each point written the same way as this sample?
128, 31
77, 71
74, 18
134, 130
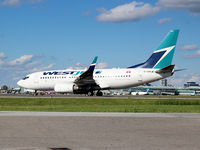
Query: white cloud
192, 6
22, 60
34, 1
189, 47
195, 55
41, 68
80, 66
133, 11
195, 77
11, 70
136, 11
11, 3
1, 62
192, 47
102, 10
86, 13
24, 63
164, 20
176, 81
102, 65
2, 55
179, 79
32, 64
17, 3
198, 52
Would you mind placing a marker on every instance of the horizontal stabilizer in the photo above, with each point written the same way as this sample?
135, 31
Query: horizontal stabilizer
167, 69
179, 70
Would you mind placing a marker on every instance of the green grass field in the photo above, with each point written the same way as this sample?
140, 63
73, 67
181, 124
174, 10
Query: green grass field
100, 105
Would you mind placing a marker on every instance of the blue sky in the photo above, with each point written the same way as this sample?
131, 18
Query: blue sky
40, 35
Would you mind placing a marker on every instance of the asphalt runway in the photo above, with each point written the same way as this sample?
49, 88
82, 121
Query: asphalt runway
99, 131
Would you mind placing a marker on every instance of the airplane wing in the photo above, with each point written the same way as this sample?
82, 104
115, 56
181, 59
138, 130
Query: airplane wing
87, 77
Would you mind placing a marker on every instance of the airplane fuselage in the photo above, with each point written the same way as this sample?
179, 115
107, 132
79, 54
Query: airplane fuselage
105, 78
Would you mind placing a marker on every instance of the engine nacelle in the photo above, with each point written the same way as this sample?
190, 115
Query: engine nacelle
62, 88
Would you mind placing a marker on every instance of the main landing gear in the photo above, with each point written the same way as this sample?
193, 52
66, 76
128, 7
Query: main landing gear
99, 93
35, 93
91, 93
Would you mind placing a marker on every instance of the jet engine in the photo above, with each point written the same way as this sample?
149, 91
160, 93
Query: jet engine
68, 88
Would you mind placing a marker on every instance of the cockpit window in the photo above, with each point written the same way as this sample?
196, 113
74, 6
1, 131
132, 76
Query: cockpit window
25, 78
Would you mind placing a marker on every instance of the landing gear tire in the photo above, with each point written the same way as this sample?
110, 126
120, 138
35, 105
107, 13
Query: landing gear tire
99, 93
90, 93
35, 93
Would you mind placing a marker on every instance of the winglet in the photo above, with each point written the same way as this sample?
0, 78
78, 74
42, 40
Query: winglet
95, 60
88, 74
93, 64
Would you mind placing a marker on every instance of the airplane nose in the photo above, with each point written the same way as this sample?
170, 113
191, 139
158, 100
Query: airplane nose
19, 83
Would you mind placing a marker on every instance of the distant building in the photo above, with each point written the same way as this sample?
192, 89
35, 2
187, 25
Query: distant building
164, 82
191, 84
167, 90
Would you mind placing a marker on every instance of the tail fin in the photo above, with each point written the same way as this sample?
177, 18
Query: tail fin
163, 55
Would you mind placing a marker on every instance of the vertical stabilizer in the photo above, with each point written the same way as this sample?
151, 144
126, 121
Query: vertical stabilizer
168, 46
163, 55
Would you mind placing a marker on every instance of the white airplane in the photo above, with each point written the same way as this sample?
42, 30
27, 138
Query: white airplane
157, 67
140, 93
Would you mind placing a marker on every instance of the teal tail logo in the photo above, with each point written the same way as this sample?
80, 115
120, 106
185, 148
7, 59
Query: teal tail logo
163, 55
167, 47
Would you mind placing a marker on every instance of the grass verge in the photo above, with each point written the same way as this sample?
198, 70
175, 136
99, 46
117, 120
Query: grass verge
100, 105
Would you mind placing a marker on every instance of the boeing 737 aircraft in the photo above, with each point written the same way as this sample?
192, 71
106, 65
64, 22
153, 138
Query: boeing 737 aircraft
157, 67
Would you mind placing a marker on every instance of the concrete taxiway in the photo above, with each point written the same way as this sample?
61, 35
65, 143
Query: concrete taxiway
110, 96
99, 131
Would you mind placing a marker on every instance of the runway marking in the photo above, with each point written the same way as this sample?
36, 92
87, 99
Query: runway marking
96, 114
26, 148
35, 148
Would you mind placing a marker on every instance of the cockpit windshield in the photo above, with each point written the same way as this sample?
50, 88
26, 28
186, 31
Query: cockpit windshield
25, 78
